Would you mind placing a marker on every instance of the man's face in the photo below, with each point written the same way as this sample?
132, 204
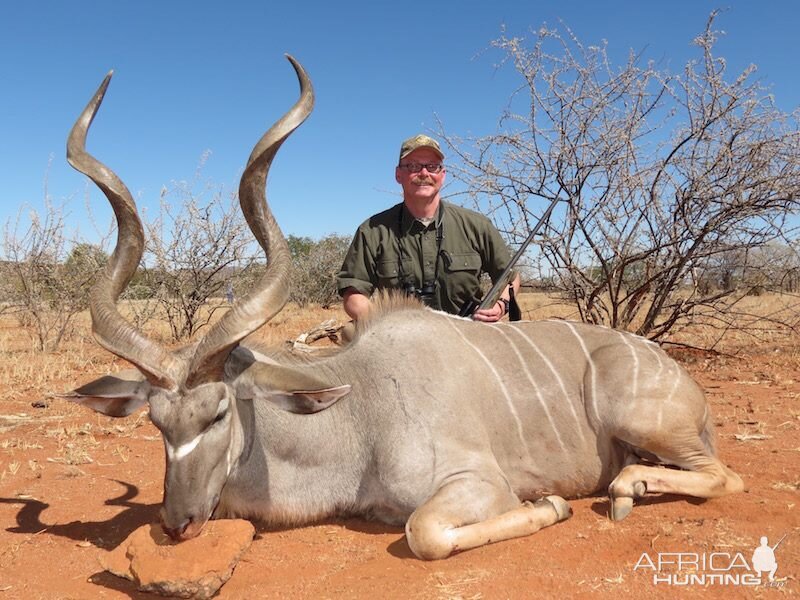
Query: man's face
422, 185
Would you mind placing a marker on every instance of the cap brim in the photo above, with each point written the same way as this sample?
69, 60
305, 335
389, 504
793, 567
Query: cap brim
438, 152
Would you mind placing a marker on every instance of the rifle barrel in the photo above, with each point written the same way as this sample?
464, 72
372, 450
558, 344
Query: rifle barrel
494, 292
779, 541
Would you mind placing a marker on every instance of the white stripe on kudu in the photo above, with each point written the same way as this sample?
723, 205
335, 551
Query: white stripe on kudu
554, 372
651, 346
499, 381
558, 377
635, 382
535, 387
592, 371
675, 381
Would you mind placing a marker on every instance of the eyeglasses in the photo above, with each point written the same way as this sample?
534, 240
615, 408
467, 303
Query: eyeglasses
415, 167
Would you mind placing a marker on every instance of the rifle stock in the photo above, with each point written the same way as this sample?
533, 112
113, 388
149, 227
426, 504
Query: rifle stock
494, 293
491, 297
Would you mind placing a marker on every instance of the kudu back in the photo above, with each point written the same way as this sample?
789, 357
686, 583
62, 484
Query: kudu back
466, 432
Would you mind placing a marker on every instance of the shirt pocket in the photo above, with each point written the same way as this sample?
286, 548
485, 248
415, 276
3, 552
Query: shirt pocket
462, 281
461, 262
388, 272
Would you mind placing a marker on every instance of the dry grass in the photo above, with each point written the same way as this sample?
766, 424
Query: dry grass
288, 324
62, 439
22, 363
26, 372
786, 486
764, 320
19, 444
458, 586
74, 444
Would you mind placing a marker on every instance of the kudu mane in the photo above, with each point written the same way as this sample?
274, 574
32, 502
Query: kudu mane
386, 302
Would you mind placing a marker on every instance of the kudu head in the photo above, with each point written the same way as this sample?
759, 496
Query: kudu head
190, 401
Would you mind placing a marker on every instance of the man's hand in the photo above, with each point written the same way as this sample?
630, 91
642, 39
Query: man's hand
490, 315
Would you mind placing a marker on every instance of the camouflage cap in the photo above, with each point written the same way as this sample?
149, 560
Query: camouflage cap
420, 141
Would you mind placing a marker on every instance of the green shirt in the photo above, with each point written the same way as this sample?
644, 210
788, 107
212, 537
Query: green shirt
394, 250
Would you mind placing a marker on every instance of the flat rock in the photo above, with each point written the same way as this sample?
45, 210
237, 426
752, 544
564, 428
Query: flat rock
196, 568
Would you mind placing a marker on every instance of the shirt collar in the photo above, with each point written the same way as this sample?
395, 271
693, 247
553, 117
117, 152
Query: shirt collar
407, 220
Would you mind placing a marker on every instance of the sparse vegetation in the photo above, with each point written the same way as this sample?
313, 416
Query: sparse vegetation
46, 279
72, 482
677, 189
197, 249
315, 265
79, 464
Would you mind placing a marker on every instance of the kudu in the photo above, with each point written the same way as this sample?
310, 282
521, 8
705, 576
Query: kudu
466, 432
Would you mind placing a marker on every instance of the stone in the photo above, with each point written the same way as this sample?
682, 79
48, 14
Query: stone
195, 568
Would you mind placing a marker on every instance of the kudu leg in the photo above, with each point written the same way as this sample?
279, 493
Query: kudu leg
710, 479
451, 521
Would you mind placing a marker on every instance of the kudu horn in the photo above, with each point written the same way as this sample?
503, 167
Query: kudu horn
162, 367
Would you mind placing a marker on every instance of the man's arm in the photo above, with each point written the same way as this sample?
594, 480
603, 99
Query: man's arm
496, 257
498, 311
355, 279
356, 304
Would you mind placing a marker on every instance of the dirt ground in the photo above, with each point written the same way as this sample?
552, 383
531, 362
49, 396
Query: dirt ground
74, 484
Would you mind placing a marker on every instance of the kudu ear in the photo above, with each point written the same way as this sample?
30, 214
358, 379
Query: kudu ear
116, 395
272, 382
305, 402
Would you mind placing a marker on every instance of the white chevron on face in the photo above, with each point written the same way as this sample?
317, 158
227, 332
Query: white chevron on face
182, 451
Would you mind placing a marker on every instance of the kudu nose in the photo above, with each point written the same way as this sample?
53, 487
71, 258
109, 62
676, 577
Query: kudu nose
176, 533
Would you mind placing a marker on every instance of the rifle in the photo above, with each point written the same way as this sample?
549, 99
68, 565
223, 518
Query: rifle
490, 299
779, 542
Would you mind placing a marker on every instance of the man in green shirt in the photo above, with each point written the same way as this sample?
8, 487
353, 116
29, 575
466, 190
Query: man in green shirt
429, 248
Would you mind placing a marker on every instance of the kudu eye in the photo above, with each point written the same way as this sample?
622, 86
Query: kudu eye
222, 410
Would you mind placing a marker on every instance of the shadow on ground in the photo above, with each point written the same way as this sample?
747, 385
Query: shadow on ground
121, 585
602, 507
103, 534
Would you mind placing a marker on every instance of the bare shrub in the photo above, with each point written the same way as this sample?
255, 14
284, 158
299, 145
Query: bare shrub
664, 178
196, 247
315, 266
47, 277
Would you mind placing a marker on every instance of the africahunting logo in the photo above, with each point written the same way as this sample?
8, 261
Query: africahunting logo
714, 568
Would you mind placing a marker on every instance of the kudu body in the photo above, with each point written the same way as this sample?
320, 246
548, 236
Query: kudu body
450, 426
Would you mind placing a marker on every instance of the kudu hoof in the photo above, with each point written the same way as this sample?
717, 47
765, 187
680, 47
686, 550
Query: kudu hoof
621, 506
563, 510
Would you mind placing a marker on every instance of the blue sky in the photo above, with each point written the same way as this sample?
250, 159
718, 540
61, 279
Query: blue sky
200, 76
